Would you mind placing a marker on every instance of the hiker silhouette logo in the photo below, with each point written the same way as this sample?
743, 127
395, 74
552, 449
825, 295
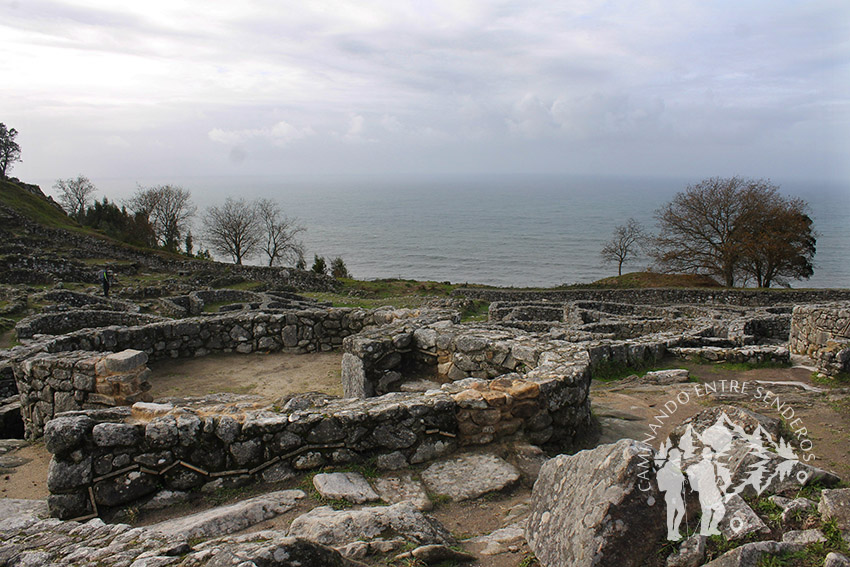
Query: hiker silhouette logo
717, 463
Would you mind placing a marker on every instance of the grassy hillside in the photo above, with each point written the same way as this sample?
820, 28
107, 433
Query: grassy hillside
34, 207
654, 279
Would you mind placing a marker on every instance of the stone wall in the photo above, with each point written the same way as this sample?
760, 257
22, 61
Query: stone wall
195, 303
722, 296
243, 332
61, 322
50, 384
823, 333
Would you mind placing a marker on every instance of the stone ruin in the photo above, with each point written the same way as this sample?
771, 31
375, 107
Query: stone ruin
418, 384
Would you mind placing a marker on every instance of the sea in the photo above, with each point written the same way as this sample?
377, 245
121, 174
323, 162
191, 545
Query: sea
503, 230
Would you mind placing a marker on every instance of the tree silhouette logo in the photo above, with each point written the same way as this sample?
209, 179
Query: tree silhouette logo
718, 463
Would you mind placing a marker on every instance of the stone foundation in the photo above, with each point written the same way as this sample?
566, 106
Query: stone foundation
823, 333
50, 384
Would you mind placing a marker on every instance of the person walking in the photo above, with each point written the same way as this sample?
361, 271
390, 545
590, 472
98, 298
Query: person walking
104, 279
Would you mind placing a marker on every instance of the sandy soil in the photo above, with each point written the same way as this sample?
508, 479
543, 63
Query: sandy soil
28, 481
268, 375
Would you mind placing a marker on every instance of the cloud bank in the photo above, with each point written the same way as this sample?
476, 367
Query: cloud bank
184, 87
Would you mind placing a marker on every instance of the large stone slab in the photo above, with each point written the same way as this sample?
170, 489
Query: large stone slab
230, 519
739, 520
12, 509
598, 508
336, 528
835, 505
752, 554
401, 487
350, 486
469, 476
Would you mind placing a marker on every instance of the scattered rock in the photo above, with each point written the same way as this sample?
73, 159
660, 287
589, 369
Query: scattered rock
430, 554
501, 540
797, 507
665, 377
690, 554
403, 487
469, 476
803, 537
739, 520
350, 486
751, 554
836, 560
835, 504
614, 518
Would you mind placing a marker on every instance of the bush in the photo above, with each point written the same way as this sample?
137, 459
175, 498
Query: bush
319, 265
339, 269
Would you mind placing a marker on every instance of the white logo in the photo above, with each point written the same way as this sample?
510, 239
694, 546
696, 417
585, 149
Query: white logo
717, 463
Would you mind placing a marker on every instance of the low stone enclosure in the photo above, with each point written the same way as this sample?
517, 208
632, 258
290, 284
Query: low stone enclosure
823, 333
75, 311
418, 385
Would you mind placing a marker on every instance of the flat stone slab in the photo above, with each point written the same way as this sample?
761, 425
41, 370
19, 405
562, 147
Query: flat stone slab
13, 507
336, 528
229, 519
350, 486
469, 476
403, 487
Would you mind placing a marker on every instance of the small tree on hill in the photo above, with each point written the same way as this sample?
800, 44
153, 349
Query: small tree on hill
339, 269
280, 241
319, 265
10, 151
75, 195
233, 229
169, 209
624, 245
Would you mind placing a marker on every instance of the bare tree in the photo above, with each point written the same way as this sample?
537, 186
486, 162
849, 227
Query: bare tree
624, 245
10, 151
75, 195
778, 239
169, 209
280, 234
733, 228
233, 229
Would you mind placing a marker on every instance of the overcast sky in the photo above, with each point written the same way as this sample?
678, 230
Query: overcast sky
159, 88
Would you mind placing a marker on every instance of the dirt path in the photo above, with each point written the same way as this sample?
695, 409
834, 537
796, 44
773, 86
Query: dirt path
628, 408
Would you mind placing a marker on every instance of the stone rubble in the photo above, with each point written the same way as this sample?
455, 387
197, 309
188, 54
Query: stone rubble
469, 476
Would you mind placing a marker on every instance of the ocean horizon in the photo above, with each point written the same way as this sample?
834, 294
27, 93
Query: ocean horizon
521, 231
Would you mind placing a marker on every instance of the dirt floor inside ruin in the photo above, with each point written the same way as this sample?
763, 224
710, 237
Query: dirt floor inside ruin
269, 375
624, 408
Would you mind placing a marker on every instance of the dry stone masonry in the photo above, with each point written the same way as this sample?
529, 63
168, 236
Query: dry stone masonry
418, 384
823, 333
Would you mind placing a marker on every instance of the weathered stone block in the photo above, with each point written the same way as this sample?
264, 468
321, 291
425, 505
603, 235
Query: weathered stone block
125, 361
615, 519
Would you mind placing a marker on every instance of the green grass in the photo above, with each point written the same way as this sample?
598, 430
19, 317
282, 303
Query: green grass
35, 208
742, 366
841, 380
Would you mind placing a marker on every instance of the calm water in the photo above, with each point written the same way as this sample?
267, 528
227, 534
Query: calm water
518, 231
